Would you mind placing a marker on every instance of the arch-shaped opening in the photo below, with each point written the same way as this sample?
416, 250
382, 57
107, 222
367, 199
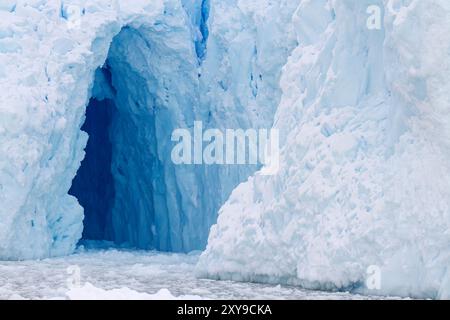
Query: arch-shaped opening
131, 192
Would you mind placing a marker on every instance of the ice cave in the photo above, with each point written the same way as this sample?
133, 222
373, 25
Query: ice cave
127, 183
121, 183
131, 191
115, 90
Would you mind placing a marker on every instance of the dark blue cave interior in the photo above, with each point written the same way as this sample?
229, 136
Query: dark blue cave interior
93, 185
116, 181
132, 193
120, 175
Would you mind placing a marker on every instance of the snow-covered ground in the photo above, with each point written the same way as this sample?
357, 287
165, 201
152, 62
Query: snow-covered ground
119, 274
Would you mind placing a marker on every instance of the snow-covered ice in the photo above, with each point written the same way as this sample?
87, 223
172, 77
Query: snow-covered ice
90, 292
122, 274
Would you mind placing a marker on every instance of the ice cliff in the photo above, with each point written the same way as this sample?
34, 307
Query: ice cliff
364, 176
362, 113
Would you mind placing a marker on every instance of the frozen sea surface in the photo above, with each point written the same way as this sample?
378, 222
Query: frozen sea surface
121, 274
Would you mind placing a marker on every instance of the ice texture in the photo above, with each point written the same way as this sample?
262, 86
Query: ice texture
363, 182
363, 117
146, 62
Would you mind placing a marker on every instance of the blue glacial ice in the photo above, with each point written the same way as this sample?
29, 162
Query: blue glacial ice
362, 114
127, 74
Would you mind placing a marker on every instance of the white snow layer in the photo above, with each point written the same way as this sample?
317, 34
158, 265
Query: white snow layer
362, 113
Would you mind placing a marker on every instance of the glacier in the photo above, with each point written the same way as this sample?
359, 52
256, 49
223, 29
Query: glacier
92, 90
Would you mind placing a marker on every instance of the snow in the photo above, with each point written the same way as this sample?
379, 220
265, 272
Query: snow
142, 275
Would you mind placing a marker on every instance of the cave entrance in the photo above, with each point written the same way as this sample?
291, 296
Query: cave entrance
121, 182
116, 180
132, 192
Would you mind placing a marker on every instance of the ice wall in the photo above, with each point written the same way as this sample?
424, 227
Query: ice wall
364, 181
171, 62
